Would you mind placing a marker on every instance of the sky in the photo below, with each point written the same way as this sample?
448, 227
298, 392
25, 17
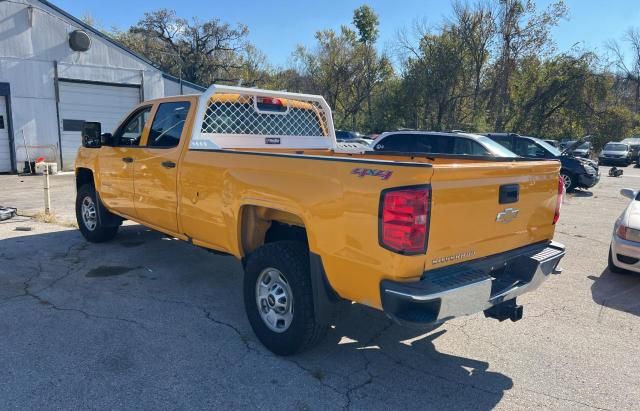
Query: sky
277, 26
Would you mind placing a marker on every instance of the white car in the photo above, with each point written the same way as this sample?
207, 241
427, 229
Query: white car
624, 254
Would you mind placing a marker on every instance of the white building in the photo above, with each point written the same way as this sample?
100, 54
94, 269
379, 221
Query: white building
57, 72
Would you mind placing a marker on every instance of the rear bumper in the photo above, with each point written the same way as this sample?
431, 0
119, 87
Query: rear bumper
470, 287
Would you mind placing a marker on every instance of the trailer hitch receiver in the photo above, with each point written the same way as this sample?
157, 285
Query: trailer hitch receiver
507, 310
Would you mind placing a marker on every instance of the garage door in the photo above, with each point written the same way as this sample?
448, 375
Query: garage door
5, 154
80, 102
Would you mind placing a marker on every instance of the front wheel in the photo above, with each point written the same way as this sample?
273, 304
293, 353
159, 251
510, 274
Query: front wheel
87, 216
278, 298
568, 180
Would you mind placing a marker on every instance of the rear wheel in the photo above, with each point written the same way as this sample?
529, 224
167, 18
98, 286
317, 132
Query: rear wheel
87, 216
278, 298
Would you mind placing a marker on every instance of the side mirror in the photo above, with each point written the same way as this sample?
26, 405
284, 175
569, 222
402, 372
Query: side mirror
629, 193
91, 134
106, 139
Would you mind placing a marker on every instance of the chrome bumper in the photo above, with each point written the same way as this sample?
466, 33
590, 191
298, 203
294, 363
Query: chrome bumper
470, 287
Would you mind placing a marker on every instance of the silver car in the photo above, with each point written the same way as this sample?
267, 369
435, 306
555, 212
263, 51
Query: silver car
624, 253
615, 154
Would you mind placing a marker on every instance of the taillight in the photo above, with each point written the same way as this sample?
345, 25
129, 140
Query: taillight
556, 216
404, 219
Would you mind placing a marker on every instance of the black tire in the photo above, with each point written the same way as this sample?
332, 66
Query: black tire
97, 233
572, 181
612, 267
291, 258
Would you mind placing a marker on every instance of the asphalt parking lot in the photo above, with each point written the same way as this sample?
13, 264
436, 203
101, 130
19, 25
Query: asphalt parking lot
149, 322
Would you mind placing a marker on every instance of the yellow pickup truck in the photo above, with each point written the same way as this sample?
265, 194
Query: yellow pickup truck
259, 175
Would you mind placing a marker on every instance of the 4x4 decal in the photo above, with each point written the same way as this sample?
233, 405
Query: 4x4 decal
361, 172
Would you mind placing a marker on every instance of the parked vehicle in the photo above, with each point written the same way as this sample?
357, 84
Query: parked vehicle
257, 174
553, 143
624, 252
584, 150
431, 142
352, 139
616, 154
576, 172
634, 143
564, 143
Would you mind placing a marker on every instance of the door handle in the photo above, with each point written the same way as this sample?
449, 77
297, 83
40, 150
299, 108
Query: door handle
168, 164
127, 159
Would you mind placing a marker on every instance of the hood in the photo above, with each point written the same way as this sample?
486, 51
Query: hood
633, 215
571, 147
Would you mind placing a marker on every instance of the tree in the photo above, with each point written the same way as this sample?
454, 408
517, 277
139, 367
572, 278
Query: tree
201, 52
366, 22
346, 69
522, 32
476, 28
629, 71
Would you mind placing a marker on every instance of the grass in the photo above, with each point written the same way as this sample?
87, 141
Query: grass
52, 219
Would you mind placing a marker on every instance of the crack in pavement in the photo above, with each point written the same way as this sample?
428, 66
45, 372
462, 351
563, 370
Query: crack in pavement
245, 340
367, 363
27, 292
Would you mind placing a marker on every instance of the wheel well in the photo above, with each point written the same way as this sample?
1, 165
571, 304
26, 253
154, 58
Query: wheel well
83, 176
262, 225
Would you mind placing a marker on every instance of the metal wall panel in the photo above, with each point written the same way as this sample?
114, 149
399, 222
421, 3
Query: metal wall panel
92, 102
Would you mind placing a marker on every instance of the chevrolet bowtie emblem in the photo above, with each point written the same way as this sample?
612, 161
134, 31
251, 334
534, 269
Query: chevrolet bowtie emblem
507, 215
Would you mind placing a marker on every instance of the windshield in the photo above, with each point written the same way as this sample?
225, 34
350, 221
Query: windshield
583, 146
496, 148
615, 147
548, 147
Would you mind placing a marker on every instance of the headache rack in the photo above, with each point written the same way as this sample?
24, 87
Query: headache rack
250, 118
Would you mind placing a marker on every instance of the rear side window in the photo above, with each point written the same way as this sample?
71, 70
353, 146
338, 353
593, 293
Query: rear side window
168, 123
396, 142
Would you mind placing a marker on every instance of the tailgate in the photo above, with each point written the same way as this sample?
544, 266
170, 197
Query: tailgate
470, 218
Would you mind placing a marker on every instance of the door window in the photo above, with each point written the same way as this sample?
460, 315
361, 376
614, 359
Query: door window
504, 141
433, 144
130, 133
466, 146
168, 123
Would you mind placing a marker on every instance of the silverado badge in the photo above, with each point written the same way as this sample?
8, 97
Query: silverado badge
507, 215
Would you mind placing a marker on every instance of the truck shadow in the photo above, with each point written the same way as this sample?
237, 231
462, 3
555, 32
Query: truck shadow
145, 278
405, 362
618, 291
